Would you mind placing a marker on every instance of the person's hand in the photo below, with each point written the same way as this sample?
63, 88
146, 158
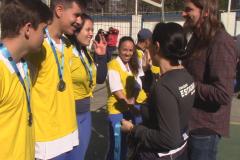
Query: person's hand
131, 101
100, 48
126, 126
146, 58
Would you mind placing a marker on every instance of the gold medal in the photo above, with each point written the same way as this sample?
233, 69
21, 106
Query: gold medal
61, 85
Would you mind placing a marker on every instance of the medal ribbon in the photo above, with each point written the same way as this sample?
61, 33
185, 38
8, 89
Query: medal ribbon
26, 88
117, 138
60, 66
87, 67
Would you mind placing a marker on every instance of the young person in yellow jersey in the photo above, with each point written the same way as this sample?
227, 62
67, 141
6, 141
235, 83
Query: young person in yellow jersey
124, 87
150, 72
86, 72
144, 37
52, 93
22, 32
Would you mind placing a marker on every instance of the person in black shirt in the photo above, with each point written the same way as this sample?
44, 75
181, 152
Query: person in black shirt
164, 131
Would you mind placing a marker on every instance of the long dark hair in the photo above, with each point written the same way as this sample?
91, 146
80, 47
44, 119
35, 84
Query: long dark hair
211, 23
172, 41
133, 63
73, 38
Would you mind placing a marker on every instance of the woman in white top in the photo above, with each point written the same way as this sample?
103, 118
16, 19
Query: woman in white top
124, 85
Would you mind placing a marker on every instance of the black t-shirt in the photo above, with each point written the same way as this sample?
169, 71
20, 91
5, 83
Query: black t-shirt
166, 116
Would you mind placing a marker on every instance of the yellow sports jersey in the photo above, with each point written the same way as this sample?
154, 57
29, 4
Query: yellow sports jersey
140, 54
81, 78
155, 69
142, 96
54, 111
113, 106
16, 137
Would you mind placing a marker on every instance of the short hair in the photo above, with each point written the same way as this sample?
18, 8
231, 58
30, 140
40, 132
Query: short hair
67, 3
172, 40
16, 13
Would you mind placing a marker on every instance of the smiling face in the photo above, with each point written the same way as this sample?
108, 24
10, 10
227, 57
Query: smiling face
70, 17
126, 50
85, 35
192, 15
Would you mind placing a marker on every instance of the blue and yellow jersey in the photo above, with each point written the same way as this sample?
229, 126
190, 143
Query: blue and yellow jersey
16, 137
54, 111
113, 106
154, 69
80, 76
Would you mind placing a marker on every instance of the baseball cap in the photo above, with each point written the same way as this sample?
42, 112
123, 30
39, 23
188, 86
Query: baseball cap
144, 34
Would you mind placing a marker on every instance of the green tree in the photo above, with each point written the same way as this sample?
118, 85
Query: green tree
223, 4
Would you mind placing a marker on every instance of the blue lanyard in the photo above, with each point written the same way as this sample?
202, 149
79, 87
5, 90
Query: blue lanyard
87, 67
60, 66
117, 139
7, 55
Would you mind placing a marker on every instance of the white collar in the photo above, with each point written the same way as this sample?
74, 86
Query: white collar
57, 45
124, 67
9, 66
